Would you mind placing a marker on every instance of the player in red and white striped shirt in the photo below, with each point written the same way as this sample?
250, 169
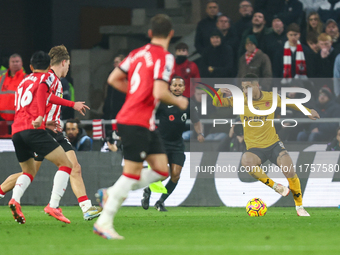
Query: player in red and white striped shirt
30, 136
144, 76
60, 61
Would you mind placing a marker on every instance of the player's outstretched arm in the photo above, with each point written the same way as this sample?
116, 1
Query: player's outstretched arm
162, 93
118, 80
227, 102
314, 115
81, 107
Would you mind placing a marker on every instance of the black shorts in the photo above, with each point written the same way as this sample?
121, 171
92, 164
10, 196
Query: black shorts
61, 139
138, 142
33, 140
270, 153
175, 152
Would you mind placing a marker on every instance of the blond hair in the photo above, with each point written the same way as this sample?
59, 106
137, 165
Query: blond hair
324, 37
58, 54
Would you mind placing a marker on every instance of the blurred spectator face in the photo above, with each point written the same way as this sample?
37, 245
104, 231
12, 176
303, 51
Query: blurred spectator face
66, 66
293, 37
223, 23
338, 136
323, 98
212, 9
313, 21
250, 47
117, 61
72, 131
182, 52
215, 41
246, 9
314, 46
177, 86
198, 94
255, 87
277, 26
258, 19
332, 30
325, 45
15, 64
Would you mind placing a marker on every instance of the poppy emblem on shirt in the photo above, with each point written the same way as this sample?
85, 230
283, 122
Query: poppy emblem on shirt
171, 117
267, 104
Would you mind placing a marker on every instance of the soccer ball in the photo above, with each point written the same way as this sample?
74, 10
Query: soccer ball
256, 207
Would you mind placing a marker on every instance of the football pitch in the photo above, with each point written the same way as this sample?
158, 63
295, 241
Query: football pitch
181, 230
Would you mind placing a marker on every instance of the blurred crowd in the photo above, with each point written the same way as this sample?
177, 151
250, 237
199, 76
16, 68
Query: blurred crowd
287, 43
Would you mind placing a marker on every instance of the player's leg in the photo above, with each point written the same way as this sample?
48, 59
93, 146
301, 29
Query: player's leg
252, 161
8, 184
286, 164
77, 183
156, 172
176, 161
22, 183
136, 142
60, 181
116, 195
25, 158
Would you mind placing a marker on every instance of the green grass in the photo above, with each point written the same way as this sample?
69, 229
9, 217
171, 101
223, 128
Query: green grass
182, 230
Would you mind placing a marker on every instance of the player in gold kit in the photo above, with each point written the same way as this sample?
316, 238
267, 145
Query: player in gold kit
262, 141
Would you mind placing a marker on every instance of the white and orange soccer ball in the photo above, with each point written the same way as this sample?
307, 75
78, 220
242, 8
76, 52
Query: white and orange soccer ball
256, 207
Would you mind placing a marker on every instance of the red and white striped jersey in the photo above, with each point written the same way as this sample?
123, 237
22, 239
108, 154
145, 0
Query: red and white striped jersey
143, 66
27, 102
53, 110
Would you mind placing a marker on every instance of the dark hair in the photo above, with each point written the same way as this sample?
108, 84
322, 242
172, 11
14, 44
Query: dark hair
312, 37
182, 46
250, 77
294, 28
73, 121
161, 25
178, 77
40, 60
212, 1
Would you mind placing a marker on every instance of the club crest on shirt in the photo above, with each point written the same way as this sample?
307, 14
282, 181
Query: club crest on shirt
184, 117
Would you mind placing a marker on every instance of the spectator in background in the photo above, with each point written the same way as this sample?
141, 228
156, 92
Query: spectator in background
9, 82
256, 62
335, 144
217, 59
289, 11
259, 30
294, 60
314, 24
114, 99
329, 10
246, 11
276, 39
205, 26
336, 73
77, 136
312, 42
325, 59
311, 5
229, 35
327, 108
68, 94
332, 29
185, 68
